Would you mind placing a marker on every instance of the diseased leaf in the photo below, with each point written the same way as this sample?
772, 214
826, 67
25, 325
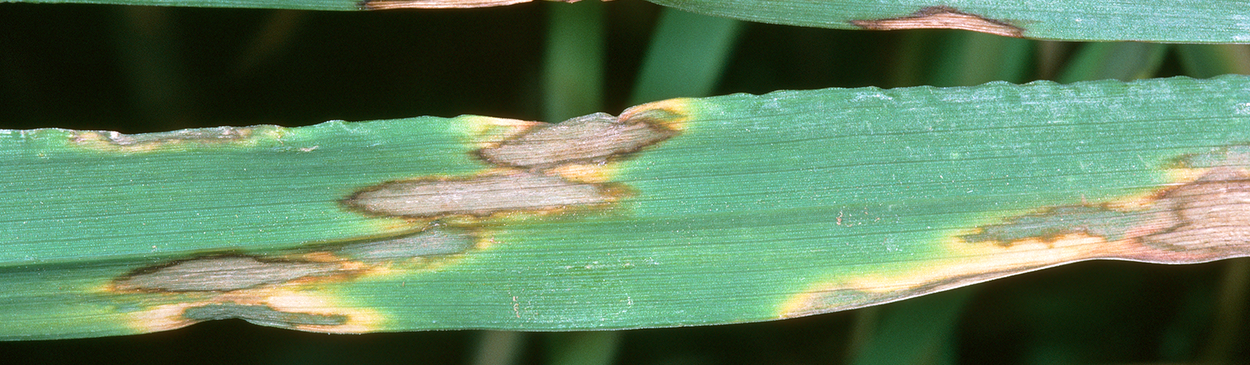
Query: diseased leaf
1209, 21
715, 210
305, 4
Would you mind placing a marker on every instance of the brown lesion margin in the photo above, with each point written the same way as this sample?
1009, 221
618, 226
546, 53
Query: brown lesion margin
836, 298
943, 17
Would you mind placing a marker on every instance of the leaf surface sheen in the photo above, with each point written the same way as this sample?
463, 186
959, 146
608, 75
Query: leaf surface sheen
736, 208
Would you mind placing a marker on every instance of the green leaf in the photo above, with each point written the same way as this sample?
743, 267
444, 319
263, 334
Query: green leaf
1211, 21
300, 4
727, 209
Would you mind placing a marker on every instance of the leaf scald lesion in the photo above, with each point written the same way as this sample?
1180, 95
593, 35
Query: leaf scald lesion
943, 17
484, 132
1210, 219
221, 273
592, 138
260, 314
1052, 224
540, 170
536, 169
1203, 217
439, 4
671, 114
430, 242
479, 196
272, 289
1235, 156
186, 138
964, 265
271, 306
309, 264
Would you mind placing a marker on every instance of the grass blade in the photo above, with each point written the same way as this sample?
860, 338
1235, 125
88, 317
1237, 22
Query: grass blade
686, 56
1211, 21
1210, 60
573, 80
682, 212
1120, 61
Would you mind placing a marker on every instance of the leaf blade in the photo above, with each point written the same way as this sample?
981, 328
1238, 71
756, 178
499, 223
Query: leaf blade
1149, 21
761, 207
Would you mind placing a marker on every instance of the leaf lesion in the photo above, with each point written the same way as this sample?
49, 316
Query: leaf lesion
539, 170
943, 17
439, 4
530, 174
1205, 219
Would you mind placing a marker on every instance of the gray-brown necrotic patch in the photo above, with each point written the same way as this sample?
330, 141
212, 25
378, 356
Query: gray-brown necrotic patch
260, 314
196, 135
1212, 213
222, 274
476, 196
1059, 221
943, 17
431, 242
589, 138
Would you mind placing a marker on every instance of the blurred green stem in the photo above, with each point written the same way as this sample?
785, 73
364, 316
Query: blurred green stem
1125, 61
582, 348
574, 60
917, 331
686, 56
977, 58
499, 347
1209, 60
1221, 346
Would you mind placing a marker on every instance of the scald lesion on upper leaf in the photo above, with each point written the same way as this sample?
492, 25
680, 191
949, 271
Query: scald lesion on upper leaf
440, 4
943, 17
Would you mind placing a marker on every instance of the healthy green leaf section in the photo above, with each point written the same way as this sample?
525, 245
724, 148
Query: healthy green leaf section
681, 212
